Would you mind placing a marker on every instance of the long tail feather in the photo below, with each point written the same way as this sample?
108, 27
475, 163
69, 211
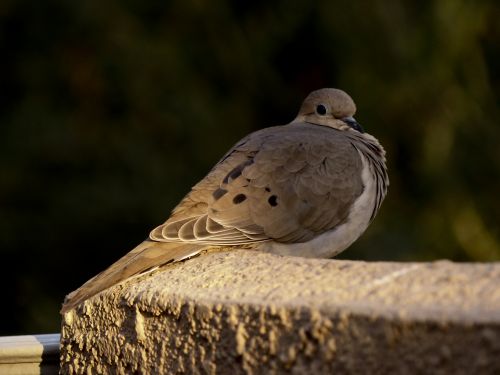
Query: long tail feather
146, 255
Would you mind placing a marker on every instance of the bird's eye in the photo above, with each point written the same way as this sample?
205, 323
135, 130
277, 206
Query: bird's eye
321, 109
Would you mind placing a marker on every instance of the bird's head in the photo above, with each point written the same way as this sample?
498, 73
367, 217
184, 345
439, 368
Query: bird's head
329, 107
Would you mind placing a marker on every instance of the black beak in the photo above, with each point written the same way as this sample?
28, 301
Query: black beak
353, 124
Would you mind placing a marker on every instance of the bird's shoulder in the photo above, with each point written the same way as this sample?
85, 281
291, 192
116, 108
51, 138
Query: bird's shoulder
288, 182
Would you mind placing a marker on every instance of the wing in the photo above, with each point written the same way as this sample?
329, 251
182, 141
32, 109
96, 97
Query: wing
287, 183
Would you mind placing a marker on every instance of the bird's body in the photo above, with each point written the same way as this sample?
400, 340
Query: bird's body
309, 188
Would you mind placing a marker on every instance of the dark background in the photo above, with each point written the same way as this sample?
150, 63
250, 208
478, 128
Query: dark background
111, 110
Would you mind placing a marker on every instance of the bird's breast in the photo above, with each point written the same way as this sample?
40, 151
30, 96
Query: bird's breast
336, 240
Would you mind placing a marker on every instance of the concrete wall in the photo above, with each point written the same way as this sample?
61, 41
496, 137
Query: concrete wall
29, 354
247, 312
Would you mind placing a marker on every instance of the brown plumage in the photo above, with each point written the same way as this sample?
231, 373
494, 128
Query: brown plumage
309, 188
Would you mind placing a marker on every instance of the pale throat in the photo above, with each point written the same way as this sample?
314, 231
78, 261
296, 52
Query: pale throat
319, 120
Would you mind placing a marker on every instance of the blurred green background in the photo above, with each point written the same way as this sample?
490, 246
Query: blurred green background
111, 110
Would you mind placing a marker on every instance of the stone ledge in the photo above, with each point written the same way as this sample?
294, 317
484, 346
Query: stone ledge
30, 354
248, 312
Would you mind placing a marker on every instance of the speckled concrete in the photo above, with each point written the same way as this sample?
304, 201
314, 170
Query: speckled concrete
248, 312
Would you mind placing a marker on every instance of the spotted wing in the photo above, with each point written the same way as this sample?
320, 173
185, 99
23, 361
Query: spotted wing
287, 183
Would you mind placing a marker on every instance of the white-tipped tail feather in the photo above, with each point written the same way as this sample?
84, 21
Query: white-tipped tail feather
146, 255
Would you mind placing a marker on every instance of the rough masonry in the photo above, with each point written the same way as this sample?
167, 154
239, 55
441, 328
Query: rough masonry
245, 312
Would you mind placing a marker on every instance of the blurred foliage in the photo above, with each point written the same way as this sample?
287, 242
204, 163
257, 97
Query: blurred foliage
111, 110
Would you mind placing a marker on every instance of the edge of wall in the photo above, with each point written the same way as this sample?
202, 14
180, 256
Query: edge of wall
29, 354
248, 312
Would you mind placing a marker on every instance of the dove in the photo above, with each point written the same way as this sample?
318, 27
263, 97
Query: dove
309, 188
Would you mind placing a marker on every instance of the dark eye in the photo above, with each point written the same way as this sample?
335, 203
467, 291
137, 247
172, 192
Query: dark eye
321, 109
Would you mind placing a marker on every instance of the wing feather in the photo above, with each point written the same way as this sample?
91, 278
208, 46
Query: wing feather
285, 184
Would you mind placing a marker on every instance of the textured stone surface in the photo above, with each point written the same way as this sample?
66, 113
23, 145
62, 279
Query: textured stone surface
248, 312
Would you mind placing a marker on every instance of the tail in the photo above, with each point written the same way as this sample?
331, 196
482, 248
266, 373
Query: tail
145, 256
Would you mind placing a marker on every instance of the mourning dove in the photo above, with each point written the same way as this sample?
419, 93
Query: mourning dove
309, 188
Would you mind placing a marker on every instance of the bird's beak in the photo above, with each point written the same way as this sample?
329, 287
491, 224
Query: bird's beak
353, 124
